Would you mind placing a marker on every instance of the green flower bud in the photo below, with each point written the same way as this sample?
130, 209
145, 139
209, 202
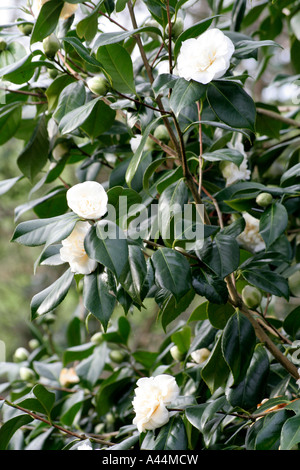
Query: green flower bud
51, 45
53, 73
97, 338
33, 343
251, 296
161, 133
177, 27
264, 199
26, 374
176, 354
3, 45
117, 356
98, 85
20, 355
25, 28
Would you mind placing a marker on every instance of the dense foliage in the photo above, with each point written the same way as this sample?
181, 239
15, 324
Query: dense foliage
179, 131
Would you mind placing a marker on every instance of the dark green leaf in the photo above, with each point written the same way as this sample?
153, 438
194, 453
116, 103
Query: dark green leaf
238, 343
118, 65
210, 286
268, 281
47, 20
221, 255
272, 223
215, 372
106, 243
172, 436
232, 104
46, 398
185, 93
35, 155
82, 51
251, 390
9, 428
52, 296
97, 298
172, 271
72, 96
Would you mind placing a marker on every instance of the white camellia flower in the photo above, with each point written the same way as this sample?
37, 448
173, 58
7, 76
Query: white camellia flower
250, 238
205, 58
67, 11
152, 395
88, 200
73, 251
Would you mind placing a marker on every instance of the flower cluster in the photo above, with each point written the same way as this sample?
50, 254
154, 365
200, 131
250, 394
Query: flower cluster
67, 11
206, 58
89, 201
152, 396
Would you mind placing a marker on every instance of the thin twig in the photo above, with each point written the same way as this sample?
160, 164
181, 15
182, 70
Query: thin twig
54, 425
278, 117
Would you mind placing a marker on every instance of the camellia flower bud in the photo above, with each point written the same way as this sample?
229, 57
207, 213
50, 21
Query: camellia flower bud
251, 296
34, 343
161, 133
20, 354
51, 45
97, 338
117, 356
206, 58
26, 374
177, 28
176, 354
25, 28
200, 355
264, 199
98, 85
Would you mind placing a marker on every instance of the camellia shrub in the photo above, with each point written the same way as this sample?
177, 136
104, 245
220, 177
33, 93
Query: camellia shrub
164, 185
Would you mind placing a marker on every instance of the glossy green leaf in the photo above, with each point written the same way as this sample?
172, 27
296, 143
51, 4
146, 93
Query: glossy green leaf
220, 255
172, 271
210, 286
172, 436
97, 298
34, 156
238, 343
82, 51
46, 21
10, 119
215, 372
118, 65
72, 96
272, 223
185, 93
290, 434
99, 121
232, 104
106, 243
49, 298
76, 118
78, 353
9, 428
39, 231
251, 390
46, 398
268, 281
